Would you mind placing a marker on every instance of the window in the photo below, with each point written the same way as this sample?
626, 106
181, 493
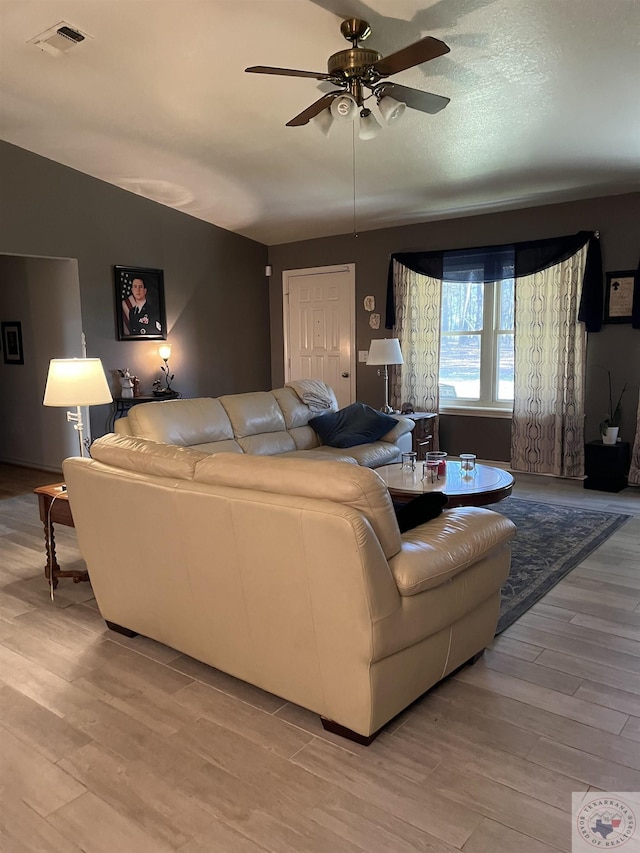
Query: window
476, 333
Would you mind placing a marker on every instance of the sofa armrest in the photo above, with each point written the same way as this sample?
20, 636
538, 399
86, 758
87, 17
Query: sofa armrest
403, 426
434, 552
121, 426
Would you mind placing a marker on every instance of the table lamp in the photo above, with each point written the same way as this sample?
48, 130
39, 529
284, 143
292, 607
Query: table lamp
76, 382
164, 351
385, 351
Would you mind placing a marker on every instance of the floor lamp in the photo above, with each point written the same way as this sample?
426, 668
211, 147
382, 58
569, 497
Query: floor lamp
385, 351
76, 382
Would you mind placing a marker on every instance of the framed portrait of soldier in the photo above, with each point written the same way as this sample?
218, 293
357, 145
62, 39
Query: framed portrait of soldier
140, 307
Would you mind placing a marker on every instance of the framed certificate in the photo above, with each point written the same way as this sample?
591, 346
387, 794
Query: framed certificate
618, 302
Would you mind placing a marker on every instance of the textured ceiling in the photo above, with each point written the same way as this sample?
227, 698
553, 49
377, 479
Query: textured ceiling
545, 107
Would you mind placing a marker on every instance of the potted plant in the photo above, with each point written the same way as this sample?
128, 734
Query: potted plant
610, 426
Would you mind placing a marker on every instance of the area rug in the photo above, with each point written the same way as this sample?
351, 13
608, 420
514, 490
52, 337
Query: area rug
551, 540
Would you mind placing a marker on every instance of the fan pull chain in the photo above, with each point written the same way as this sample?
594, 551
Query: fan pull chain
353, 149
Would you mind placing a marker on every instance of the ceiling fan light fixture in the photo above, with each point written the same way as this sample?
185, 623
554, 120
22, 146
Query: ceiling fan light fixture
344, 108
323, 121
369, 125
391, 109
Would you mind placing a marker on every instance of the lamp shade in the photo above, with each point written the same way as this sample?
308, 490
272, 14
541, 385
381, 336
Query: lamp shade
344, 108
323, 121
385, 351
391, 109
164, 351
76, 382
369, 125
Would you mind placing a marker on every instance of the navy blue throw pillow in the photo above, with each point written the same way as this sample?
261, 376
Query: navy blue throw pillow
356, 424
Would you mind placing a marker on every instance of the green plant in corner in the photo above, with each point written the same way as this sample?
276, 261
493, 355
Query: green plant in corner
614, 415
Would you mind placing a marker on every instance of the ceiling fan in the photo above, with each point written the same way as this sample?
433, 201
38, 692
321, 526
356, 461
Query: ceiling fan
359, 74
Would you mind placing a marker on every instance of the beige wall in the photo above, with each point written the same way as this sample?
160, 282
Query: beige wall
616, 347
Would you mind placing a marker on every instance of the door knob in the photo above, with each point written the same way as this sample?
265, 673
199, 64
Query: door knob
345, 375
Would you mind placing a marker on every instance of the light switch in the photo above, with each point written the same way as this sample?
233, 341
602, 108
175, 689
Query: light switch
363, 354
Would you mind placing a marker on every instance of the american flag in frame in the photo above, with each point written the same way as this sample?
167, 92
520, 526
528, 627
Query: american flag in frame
139, 304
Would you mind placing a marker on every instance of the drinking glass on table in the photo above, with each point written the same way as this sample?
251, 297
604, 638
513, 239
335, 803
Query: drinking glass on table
430, 470
440, 457
409, 461
468, 464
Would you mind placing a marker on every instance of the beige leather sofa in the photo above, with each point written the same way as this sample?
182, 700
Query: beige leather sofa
262, 422
288, 573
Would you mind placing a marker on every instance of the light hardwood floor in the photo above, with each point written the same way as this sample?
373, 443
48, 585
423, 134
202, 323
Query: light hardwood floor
111, 744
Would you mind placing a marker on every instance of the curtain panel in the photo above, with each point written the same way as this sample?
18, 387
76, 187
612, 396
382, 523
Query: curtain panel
635, 315
547, 435
417, 328
634, 471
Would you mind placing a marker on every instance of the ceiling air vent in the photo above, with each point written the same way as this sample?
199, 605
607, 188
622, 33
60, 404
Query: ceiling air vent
59, 39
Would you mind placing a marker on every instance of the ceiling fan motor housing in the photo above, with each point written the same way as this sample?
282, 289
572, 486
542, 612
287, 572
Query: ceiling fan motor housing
353, 62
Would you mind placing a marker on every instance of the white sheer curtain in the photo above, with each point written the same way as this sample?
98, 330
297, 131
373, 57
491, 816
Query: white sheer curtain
634, 472
550, 348
417, 301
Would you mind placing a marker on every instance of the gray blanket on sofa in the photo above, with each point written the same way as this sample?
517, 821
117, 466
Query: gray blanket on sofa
313, 393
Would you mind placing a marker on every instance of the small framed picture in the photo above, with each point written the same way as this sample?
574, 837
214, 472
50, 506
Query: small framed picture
12, 343
618, 302
140, 307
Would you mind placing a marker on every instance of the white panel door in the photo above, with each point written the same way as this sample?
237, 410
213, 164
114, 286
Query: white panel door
319, 327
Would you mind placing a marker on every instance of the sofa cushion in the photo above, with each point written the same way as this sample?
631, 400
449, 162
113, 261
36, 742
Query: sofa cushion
402, 427
340, 455
255, 413
305, 437
229, 445
267, 443
356, 424
296, 413
339, 482
146, 457
184, 422
371, 455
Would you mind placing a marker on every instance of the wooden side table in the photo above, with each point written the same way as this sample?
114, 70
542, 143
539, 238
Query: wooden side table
53, 504
426, 424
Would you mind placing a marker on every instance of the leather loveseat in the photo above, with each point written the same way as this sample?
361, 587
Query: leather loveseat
262, 422
288, 573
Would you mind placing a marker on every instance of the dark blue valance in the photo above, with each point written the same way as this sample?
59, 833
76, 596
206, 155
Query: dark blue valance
530, 257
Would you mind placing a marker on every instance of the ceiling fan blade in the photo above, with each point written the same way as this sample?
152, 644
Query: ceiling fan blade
426, 102
286, 72
306, 115
414, 54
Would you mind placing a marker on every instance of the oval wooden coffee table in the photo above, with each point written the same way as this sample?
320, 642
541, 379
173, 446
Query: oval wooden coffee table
486, 485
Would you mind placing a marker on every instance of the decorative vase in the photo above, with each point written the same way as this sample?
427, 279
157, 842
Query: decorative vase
610, 436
